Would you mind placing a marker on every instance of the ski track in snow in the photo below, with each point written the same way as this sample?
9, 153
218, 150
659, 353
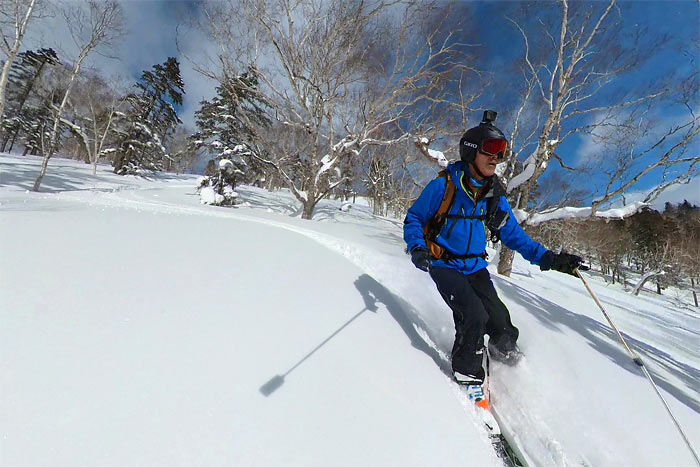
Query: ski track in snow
353, 252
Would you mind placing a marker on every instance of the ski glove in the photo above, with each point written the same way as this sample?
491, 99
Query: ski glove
562, 262
421, 258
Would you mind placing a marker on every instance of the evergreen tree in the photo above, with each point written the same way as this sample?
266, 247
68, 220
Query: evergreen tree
226, 124
150, 118
35, 129
26, 110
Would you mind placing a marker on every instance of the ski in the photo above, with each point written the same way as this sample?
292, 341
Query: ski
503, 448
505, 451
500, 444
506, 448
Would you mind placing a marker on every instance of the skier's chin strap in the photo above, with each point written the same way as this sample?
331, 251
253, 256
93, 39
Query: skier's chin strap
475, 170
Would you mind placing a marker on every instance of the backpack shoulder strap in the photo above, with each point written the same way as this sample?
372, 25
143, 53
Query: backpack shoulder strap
495, 222
447, 197
494, 196
434, 224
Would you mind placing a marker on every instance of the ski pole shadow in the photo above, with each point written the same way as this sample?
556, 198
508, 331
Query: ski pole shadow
603, 339
372, 292
278, 380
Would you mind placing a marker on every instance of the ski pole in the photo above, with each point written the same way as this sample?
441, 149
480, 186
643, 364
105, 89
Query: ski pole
639, 363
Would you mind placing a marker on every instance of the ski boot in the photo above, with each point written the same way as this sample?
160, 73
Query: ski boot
475, 393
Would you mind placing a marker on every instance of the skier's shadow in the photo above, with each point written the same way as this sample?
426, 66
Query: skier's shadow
372, 292
604, 340
400, 310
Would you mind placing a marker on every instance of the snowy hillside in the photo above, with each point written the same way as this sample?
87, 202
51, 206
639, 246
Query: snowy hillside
140, 327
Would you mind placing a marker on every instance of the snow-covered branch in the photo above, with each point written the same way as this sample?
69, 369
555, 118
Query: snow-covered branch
436, 157
577, 213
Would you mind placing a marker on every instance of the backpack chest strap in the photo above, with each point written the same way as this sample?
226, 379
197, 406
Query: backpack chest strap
458, 216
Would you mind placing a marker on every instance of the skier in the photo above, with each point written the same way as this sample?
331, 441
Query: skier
447, 239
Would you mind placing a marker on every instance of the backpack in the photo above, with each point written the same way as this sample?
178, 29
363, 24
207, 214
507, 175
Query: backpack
494, 219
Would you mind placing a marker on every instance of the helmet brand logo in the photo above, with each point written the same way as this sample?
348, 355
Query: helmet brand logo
471, 145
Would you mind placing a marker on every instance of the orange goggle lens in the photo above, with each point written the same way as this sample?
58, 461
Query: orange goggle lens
494, 147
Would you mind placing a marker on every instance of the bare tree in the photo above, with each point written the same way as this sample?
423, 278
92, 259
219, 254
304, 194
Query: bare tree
95, 108
565, 82
92, 24
183, 154
14, 18
338, 78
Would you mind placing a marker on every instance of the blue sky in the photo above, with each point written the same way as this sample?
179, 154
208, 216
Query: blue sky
151, 33
679, 20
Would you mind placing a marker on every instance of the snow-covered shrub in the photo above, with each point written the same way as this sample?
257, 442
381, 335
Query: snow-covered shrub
219, 189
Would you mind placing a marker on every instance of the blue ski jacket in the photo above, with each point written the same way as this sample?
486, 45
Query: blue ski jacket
463, 237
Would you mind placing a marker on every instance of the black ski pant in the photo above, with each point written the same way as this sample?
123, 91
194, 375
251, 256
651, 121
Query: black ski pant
477, 310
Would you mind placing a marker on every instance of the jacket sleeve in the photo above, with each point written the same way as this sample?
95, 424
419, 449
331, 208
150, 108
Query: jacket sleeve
423, 209
515, 238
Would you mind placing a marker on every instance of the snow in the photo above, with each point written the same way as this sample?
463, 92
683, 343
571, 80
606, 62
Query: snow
620, 213
439, 156
572, 212
326, 163
645, 277
225, 164
524, 176
140, 327
344, 144
208, 196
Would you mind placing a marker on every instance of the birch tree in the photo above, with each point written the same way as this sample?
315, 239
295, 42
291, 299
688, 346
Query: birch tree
15, 16
339, 77
93, 24
567, 81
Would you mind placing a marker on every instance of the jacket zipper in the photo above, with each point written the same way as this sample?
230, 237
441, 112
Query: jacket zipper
454, 223
470, 229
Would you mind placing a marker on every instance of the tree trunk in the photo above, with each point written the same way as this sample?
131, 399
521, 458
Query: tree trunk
57, 119
308, 210
505, 261
118, 162
645, 277
658, 287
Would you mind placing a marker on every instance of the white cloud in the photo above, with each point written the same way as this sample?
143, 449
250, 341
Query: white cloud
678, 193
592, 148
674, 194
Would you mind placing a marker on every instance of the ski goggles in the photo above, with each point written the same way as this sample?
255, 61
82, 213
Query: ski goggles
494, 147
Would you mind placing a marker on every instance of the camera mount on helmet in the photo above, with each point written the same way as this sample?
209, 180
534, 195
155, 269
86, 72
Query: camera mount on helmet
489, 116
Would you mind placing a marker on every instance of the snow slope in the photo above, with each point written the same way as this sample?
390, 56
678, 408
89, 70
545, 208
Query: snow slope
139, 327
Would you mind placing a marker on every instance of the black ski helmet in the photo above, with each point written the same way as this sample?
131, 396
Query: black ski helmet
472, 138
